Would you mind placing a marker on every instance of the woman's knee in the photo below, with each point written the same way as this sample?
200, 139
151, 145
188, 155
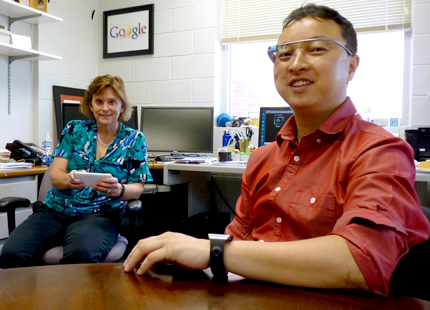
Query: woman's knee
12, 257
83, 253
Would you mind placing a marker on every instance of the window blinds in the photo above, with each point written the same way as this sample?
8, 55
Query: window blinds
253, 20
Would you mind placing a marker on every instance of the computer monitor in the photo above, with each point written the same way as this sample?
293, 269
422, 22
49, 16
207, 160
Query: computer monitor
271, 121
71, 112
178, 129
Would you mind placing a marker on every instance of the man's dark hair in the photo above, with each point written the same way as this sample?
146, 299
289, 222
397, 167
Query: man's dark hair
324, 12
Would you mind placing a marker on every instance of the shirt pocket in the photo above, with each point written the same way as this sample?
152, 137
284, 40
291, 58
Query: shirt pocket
313, 215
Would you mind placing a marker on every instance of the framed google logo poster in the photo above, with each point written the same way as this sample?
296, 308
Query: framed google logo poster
128, 31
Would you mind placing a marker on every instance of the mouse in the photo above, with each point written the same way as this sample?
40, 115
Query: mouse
161, 158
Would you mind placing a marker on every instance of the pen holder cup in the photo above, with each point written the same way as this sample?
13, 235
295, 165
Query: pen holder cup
224, 156
244, 146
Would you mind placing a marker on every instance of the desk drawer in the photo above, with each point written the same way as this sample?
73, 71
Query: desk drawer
25, 187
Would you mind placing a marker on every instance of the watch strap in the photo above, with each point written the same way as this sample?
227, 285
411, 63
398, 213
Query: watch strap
217, 257
122, 192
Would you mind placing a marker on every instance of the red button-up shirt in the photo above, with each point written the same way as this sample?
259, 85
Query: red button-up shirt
350, 178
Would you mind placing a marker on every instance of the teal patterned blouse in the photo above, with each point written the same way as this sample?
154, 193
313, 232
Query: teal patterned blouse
126, 159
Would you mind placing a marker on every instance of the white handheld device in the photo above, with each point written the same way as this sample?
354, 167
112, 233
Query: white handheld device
90, 178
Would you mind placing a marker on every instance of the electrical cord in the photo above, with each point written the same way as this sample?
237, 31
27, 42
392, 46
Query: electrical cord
222, 196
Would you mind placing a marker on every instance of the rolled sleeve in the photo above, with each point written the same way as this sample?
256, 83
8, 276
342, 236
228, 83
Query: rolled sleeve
375, 259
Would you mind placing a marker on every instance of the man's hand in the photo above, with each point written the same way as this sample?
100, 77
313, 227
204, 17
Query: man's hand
185, 251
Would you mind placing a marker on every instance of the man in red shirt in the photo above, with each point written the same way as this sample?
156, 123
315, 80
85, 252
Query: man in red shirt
331, 201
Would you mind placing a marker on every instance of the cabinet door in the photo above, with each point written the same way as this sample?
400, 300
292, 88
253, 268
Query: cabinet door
25, 187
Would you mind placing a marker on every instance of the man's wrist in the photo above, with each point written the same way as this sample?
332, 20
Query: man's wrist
217, 243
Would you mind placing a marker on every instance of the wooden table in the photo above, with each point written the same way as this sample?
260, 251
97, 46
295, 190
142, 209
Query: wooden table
35, 170
107, 286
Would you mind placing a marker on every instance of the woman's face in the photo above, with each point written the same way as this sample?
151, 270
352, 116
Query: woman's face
107, 107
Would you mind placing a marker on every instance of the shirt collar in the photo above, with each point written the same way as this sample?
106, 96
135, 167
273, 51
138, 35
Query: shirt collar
333, 125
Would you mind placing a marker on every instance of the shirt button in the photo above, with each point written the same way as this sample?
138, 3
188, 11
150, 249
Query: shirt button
313, 200
318, 140
296, 158
279, 220
277, 189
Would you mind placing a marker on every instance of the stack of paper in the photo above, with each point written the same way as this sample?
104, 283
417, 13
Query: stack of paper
4, 152
200, 159
230, 163
18, 165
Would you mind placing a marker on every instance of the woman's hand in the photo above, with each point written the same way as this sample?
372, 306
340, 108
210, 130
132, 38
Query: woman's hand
73, 182
109, 186
185, 251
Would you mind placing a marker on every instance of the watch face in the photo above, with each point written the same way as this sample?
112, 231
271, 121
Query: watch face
219, 237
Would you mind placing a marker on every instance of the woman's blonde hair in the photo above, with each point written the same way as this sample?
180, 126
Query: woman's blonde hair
99, 83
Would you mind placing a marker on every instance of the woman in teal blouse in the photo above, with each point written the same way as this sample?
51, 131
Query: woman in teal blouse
86, 220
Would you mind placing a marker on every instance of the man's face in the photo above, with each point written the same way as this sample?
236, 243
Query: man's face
314, 82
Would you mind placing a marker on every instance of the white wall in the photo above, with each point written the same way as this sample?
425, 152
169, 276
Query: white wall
76, 39
420, 97
18, 124
185, 69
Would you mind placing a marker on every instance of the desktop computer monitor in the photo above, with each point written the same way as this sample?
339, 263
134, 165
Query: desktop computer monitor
176, 129
271, 121
71, 112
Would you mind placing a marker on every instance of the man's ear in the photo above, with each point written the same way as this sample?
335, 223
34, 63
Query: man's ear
353, 65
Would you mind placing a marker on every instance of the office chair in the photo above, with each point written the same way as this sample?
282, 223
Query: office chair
413, 271
53, 256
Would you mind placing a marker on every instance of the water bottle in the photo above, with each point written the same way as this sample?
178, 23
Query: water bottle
47, 147
226, 138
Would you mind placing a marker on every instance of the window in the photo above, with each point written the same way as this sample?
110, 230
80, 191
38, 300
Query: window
384, 37
376, 90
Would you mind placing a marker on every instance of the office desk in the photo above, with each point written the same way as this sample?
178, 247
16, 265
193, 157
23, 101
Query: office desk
172, 175
180, 173
35, 170
198, 176
423, 175
154, 165
421, 179
107, 286
183, 173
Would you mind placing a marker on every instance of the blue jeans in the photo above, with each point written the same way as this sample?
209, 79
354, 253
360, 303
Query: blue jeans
86, 238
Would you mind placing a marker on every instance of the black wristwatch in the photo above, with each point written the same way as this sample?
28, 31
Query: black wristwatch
217, 257
122, 192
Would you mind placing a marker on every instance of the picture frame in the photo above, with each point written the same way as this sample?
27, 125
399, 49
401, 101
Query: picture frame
65, 95
128, 31
41, 5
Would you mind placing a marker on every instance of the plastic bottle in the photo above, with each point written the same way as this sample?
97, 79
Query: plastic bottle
47, 146
226, 138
